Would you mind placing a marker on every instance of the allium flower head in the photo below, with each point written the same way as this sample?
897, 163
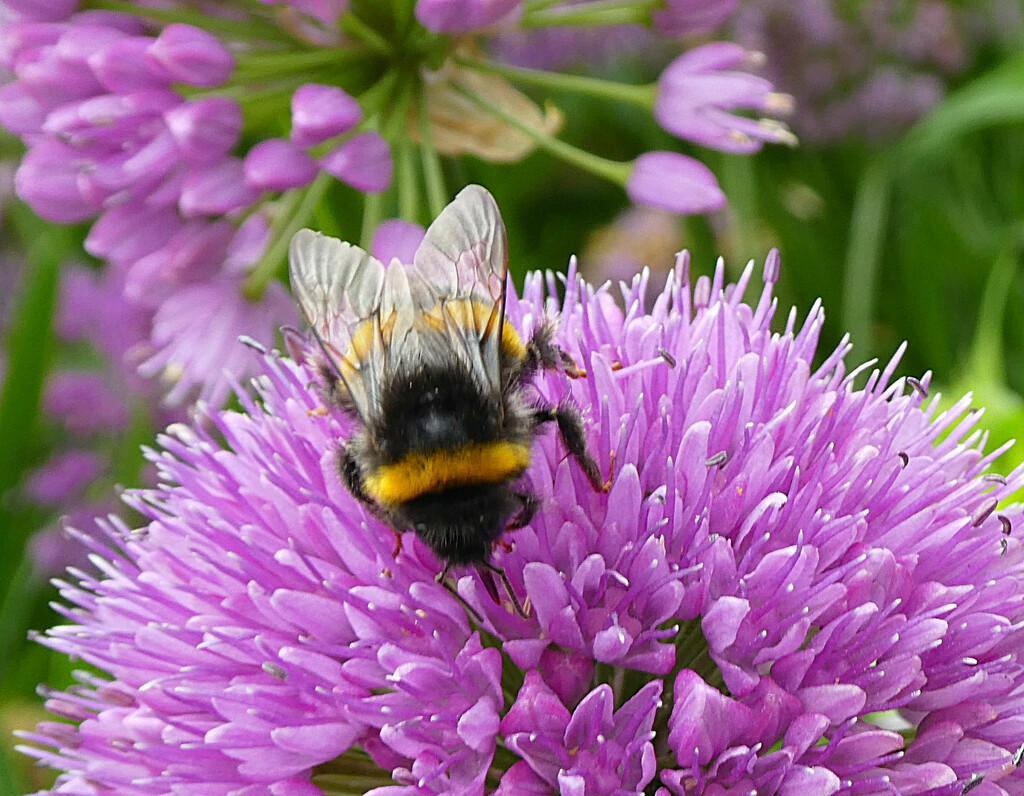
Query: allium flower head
177, 131
798, 582
869, 70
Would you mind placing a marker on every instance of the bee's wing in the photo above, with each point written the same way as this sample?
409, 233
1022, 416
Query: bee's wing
338, 288
464, 256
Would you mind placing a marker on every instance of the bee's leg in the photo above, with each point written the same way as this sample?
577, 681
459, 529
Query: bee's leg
442, 578
508, 588
570, 427
543, 354
528, 505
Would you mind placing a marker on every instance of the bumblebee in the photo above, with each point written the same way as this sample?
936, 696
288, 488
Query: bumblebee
422, 358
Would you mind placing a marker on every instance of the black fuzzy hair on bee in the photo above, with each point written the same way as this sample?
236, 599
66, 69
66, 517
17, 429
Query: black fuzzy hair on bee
423, 358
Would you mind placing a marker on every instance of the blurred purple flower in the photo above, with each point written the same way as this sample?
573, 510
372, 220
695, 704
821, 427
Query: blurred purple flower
396, 238
89, 414
868, 70
363, 162
462, 16
64, 477
277, 165
698, 91
86, 402
687, 17
322, 112
785, 565
674, 182
169, 138
195, 335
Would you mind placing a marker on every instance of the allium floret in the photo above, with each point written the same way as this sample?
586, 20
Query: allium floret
794, 585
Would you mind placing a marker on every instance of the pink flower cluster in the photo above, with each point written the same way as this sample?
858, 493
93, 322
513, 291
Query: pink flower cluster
794, 585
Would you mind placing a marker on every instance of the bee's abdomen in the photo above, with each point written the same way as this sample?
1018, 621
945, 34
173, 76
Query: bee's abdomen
420, 472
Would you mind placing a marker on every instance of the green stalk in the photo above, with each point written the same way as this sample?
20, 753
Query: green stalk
395, 131
608, 12
373, 212
532, 6
28, 344
408, 188
247, 93
359, 30
270, 264
404, 10
273, 62
252, 28
643, 96
433, 175
376, 96
615, 171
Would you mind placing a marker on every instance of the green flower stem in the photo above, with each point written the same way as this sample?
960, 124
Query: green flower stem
376, 97
274, 62
247, 93
408, 188
359, 30
643, 96
373, 212
396, 132
433, 175
604, 12
531, 6
615, 171
251, 28
303, 201
404, 10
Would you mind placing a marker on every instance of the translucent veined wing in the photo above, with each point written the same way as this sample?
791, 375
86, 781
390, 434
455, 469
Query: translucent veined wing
338, 288
460, 275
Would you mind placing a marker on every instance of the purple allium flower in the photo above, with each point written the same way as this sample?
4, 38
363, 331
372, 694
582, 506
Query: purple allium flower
277, 165
64, 477
86, 402
168, 137
698, 91
786, 567
462, 16
686, 17
196, 330
322, 112
675, 182
396, 238
364, 162
89, 413
868, 70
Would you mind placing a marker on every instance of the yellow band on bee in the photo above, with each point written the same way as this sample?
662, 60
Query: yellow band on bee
420, 473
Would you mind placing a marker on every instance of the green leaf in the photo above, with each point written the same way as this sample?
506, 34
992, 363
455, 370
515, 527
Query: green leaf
29, 347
997, 97
9, 784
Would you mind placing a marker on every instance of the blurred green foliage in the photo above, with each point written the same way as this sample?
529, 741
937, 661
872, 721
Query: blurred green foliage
919, 240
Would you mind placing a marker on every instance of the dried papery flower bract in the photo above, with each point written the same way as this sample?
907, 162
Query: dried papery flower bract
795, 585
